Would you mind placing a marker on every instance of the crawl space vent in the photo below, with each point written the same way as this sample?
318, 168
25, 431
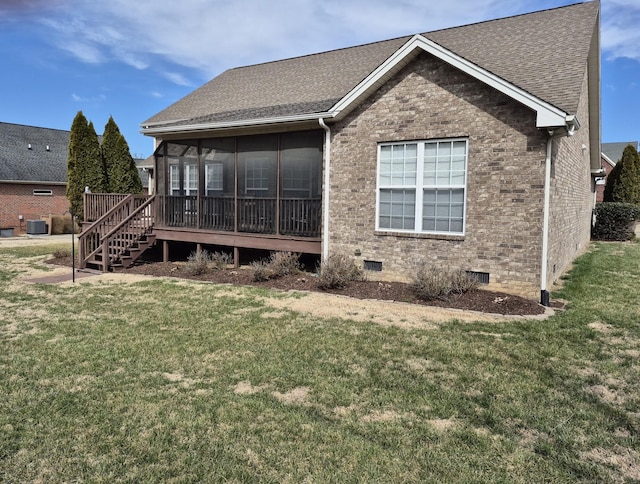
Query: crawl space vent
372, 265
481, 277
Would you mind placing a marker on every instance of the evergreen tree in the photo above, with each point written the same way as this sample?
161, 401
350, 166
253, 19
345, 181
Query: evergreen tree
95, 177
84, 164
623, 183
75, 157
122, 172
109, 142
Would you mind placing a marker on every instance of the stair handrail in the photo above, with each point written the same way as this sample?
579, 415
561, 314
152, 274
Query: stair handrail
128, 218
104, 240
108, 213
94, 227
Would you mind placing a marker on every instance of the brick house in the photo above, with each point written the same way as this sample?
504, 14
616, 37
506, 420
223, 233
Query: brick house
471, 147
611, 155
33, 174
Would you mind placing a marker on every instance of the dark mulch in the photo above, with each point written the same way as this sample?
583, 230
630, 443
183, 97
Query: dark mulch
476, 300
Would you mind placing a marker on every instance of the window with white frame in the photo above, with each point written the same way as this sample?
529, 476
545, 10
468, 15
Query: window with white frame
174, 179
422, 186
189, 182
213, 178
257, 174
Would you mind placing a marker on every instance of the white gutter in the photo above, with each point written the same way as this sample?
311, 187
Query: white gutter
325, 215
150, 130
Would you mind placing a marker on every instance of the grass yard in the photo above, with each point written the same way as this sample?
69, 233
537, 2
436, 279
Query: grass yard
167, 380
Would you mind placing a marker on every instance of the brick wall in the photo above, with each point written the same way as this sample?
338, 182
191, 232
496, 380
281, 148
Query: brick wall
572, 195
429, 99
18, 199
603, 183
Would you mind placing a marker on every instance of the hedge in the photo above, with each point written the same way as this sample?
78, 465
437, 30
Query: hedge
615, 221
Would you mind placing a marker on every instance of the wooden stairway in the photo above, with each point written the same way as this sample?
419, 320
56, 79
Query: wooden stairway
119, 236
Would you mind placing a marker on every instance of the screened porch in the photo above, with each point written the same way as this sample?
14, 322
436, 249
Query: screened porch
263, 184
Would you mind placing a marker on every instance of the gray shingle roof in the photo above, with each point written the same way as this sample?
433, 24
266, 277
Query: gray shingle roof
544, 53
614, 150
19, 163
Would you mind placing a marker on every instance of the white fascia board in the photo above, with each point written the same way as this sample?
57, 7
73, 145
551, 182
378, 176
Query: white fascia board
607, 159
547, 114
246, 123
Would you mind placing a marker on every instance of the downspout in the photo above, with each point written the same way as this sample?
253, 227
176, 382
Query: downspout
325, 215
569, 131
544, 293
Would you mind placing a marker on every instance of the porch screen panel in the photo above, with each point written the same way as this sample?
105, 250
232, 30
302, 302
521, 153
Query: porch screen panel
160, 170
301, 183
182, 184
217, 206
257, 183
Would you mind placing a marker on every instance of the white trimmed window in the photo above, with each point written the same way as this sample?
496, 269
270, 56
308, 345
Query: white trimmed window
190, 181
257, 174
174, 179
422, 186
213, 177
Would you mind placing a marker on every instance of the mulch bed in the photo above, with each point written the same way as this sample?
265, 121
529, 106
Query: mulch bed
475, 300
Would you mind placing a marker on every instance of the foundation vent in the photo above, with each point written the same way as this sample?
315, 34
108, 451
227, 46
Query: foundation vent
481, 277
372, 265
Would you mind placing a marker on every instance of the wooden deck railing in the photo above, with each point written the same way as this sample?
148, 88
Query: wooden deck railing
296, 216
97, 204
300, 216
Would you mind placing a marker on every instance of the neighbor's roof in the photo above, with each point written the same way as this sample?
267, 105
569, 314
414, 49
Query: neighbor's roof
31, 154
613, 151
543, 53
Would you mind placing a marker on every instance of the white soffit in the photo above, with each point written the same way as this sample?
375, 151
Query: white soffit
547, 114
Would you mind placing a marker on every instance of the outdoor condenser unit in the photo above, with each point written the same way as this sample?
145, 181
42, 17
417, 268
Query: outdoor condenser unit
35, 227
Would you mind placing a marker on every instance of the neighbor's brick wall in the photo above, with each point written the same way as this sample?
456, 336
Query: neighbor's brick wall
429, 99
18, 199
572, 195
603, 183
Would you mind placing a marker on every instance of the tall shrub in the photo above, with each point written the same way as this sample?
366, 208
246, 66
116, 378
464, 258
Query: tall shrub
623, 183
122, 172
84, 163
615, 221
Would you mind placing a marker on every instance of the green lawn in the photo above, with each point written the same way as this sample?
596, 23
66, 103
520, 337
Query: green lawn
165, 380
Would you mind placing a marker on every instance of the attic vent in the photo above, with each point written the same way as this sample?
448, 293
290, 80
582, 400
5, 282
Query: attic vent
42, 192
481, 277
372, 265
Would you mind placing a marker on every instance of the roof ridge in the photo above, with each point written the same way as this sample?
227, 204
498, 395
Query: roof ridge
533, 12
35, 127
407, 36
312, 54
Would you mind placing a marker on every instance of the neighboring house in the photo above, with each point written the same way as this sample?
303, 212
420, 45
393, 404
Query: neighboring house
33, 174
471, 147
145, 168
611, 154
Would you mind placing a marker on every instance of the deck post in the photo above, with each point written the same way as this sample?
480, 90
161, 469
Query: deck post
236, 257
165, 251
105, 256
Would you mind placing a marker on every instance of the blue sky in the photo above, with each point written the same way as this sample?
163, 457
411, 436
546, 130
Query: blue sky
131, 59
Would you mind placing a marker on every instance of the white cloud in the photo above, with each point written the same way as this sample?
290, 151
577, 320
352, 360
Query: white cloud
177, 78
96, 99
209, 36
620, 33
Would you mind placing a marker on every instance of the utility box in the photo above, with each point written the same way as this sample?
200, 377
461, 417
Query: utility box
8, 232
36, 227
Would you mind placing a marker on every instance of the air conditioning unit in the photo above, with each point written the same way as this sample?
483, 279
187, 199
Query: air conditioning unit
36, 227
